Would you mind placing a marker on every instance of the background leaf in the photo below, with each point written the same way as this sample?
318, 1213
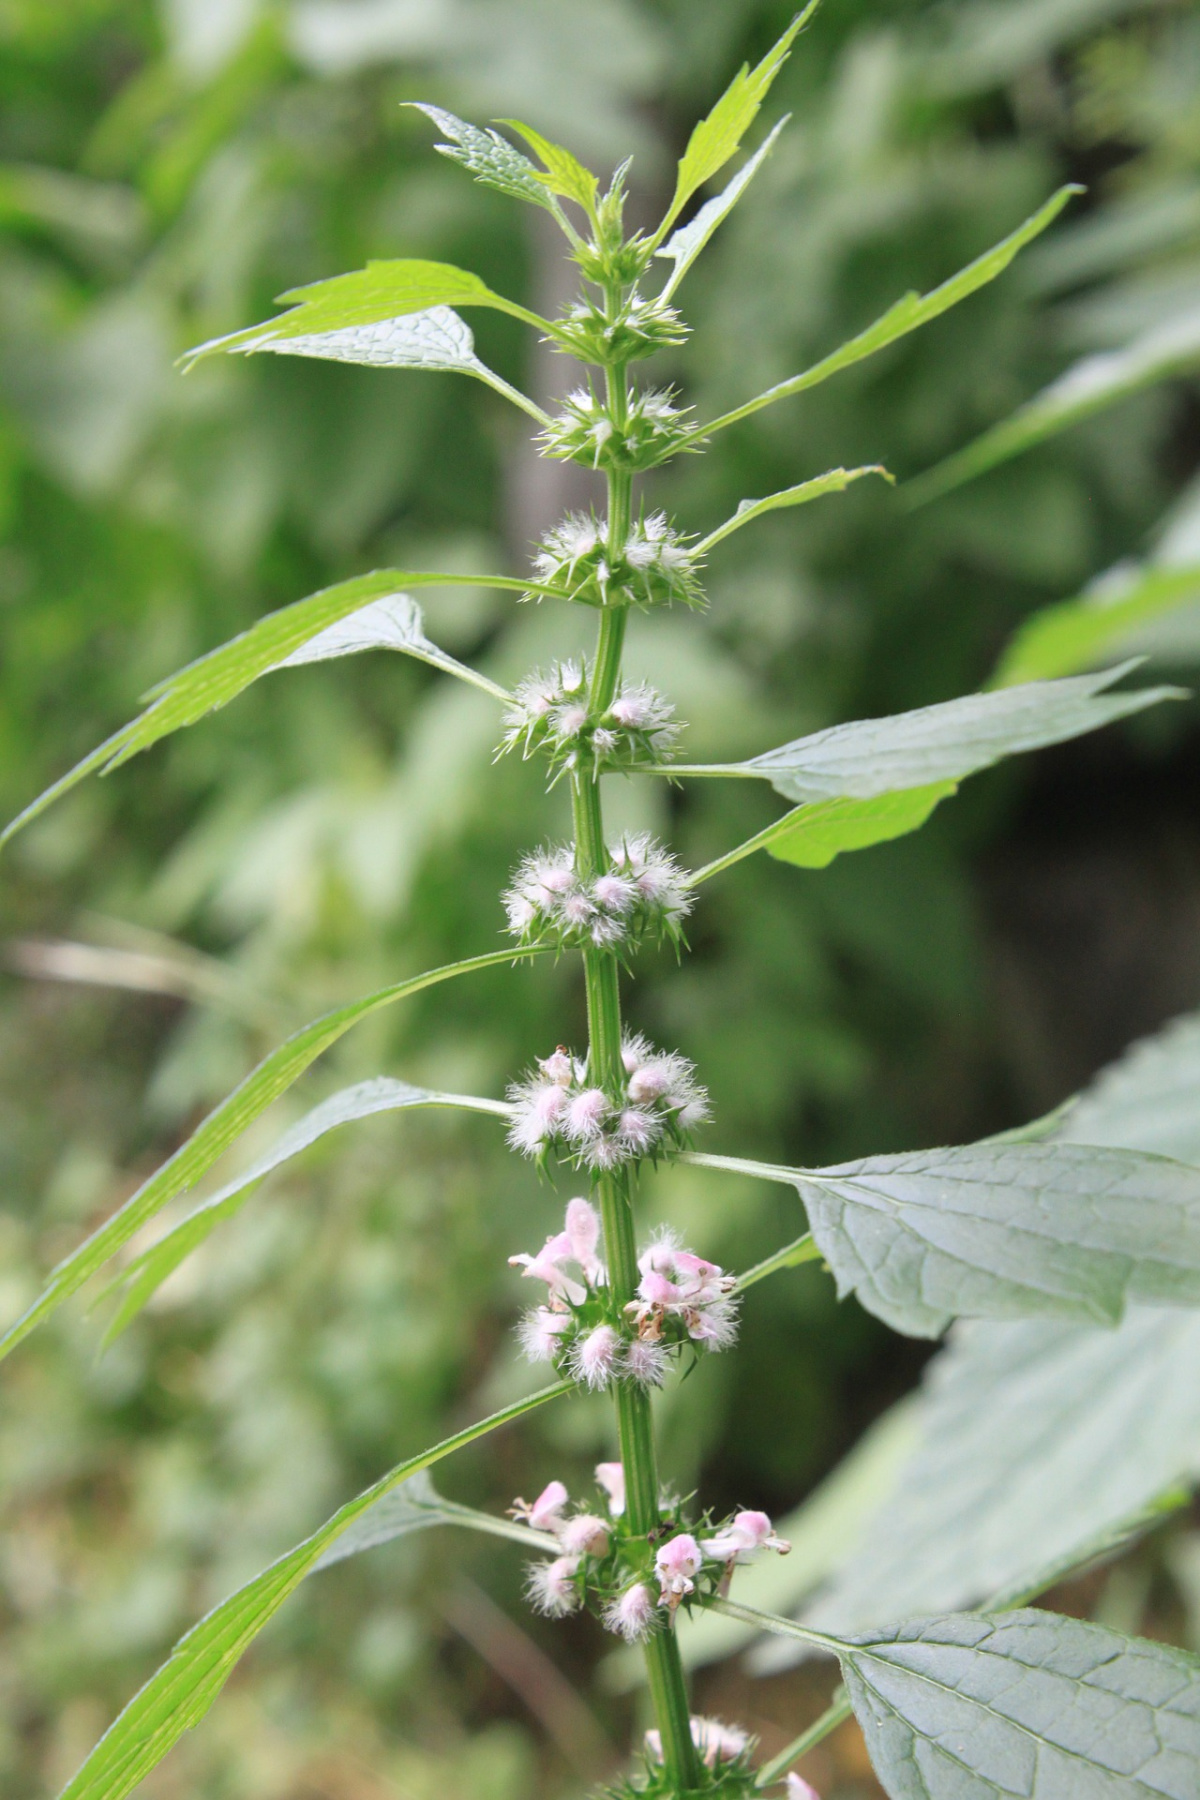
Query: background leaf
826, 828
1077, 634
834, 481
1148, 1100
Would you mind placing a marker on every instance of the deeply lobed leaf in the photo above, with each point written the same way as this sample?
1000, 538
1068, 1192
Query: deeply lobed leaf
684, 245
564, 173
490, 158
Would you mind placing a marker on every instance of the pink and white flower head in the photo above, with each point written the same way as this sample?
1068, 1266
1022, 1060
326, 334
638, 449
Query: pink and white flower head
646, 1362
633, 1615
611, 1477
576, 1243
675, 1563
585, 1115
547, 1266
584, 1535
799, 1789
551, 1586
746, 1536
595, 1357
540, 1333
679, 1286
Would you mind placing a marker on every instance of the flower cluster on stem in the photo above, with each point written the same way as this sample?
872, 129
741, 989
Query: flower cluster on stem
652, 565
643, 895
560, 1108
550, 714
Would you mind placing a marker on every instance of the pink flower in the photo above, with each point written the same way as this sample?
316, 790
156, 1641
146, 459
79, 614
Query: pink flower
717, 1742
545, 1514
545, 1267
584, 1535
675, 1563
611, 1477
582, 1231
551, 1586
540, 1332
743, 1538
559, 1067
638, 1129
594, 1357
633, 1615
586, 1115
799, 1789
646, 1362
613, 894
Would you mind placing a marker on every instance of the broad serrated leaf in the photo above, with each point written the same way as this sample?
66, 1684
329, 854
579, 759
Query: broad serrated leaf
416, 1505
490, 158
436, 339
387, 616
1034, 1445
719, 136
1077, 634
869, 757
1086, 388
908, 313
179, 1695
222, 1128
1002, 1230
684, 246
381, 292
564, 173
834, 481
146, 1274
1148, 1100
1026, 1704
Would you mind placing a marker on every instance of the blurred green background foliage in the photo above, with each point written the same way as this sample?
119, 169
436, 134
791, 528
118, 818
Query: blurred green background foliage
164, 171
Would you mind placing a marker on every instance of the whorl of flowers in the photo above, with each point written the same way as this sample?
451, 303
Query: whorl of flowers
558, 1587
642, 895
550, 712
682, 1298
654, 567
557, 1108
653, 429
642, 327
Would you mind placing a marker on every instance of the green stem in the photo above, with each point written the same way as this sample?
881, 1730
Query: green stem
614, 1194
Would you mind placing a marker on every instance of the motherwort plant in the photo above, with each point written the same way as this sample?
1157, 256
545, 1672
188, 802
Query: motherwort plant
1035, 1226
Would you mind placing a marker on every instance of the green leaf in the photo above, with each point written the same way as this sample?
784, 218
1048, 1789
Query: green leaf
382, 291
1035, 1447
434, 339
221, 1129
148, 1271
908, 313
564, 173
1001, 1231
275, 642
811, 836
719, 136
1077, 634
1148, 1100
1087, 387
834, 481
1026, 1704
490, 158
179, 1695
1019, 1706
416, 1505
684, 246
937, 744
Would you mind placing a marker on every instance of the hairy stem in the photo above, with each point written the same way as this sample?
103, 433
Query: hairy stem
614, 1194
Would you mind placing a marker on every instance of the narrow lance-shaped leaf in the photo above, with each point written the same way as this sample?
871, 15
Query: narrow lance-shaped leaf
719, 136
436, 339
490, 158
1036, 1445
811, 836
563, 173
1088, 387
416, 1505
179, 1695
934, 744
834, 481
908, 313
684, 245
386, 617
1022, 1705
1000, 1230
146, 1274
221, 1129
1077, 634
382, 291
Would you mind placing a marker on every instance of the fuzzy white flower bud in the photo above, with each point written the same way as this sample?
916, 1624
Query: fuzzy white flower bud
633, 1615
646, 1362
540, 1333
585, 1535
594, 1357
551, 1587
